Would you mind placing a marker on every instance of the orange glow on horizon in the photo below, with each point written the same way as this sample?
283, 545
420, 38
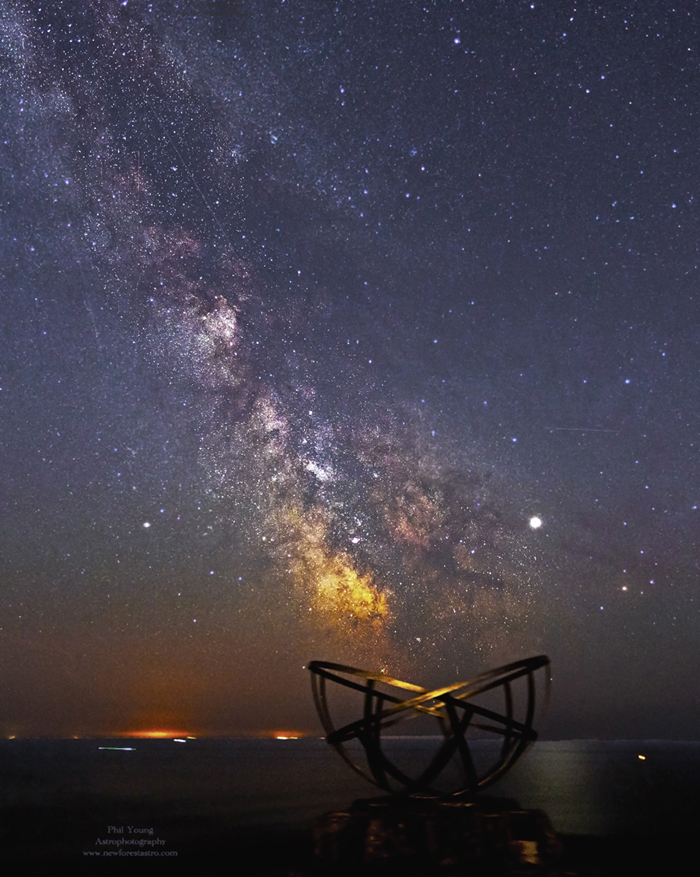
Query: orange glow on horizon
155, 734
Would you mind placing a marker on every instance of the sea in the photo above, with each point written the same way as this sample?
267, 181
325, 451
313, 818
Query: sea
65, 799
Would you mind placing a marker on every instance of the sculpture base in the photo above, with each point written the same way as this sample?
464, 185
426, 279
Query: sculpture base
447, 836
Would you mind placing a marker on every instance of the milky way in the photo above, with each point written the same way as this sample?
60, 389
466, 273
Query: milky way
310, 312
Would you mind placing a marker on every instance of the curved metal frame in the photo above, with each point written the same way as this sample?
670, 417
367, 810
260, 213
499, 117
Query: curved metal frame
452, 707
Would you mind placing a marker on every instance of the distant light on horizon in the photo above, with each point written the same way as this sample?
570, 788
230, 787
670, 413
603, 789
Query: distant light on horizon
156, 734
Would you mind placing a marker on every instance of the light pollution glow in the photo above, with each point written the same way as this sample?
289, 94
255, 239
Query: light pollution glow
156, 734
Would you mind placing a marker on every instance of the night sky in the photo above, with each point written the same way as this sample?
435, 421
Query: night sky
311, 313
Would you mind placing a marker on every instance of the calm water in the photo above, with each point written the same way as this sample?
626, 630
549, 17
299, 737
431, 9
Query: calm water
586, 787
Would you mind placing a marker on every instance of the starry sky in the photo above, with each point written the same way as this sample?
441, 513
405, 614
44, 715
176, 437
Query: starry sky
311, 313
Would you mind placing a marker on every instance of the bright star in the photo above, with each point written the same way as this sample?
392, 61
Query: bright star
535, 523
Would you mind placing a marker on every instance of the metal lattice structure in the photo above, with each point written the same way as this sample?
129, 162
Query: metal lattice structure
456, 710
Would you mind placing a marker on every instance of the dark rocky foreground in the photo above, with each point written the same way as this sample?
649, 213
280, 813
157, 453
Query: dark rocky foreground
34, 839
256, 807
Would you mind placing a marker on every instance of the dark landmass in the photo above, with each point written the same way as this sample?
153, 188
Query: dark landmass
35, 838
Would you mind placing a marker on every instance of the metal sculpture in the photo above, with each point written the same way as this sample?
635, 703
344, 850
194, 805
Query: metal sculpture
455, 709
